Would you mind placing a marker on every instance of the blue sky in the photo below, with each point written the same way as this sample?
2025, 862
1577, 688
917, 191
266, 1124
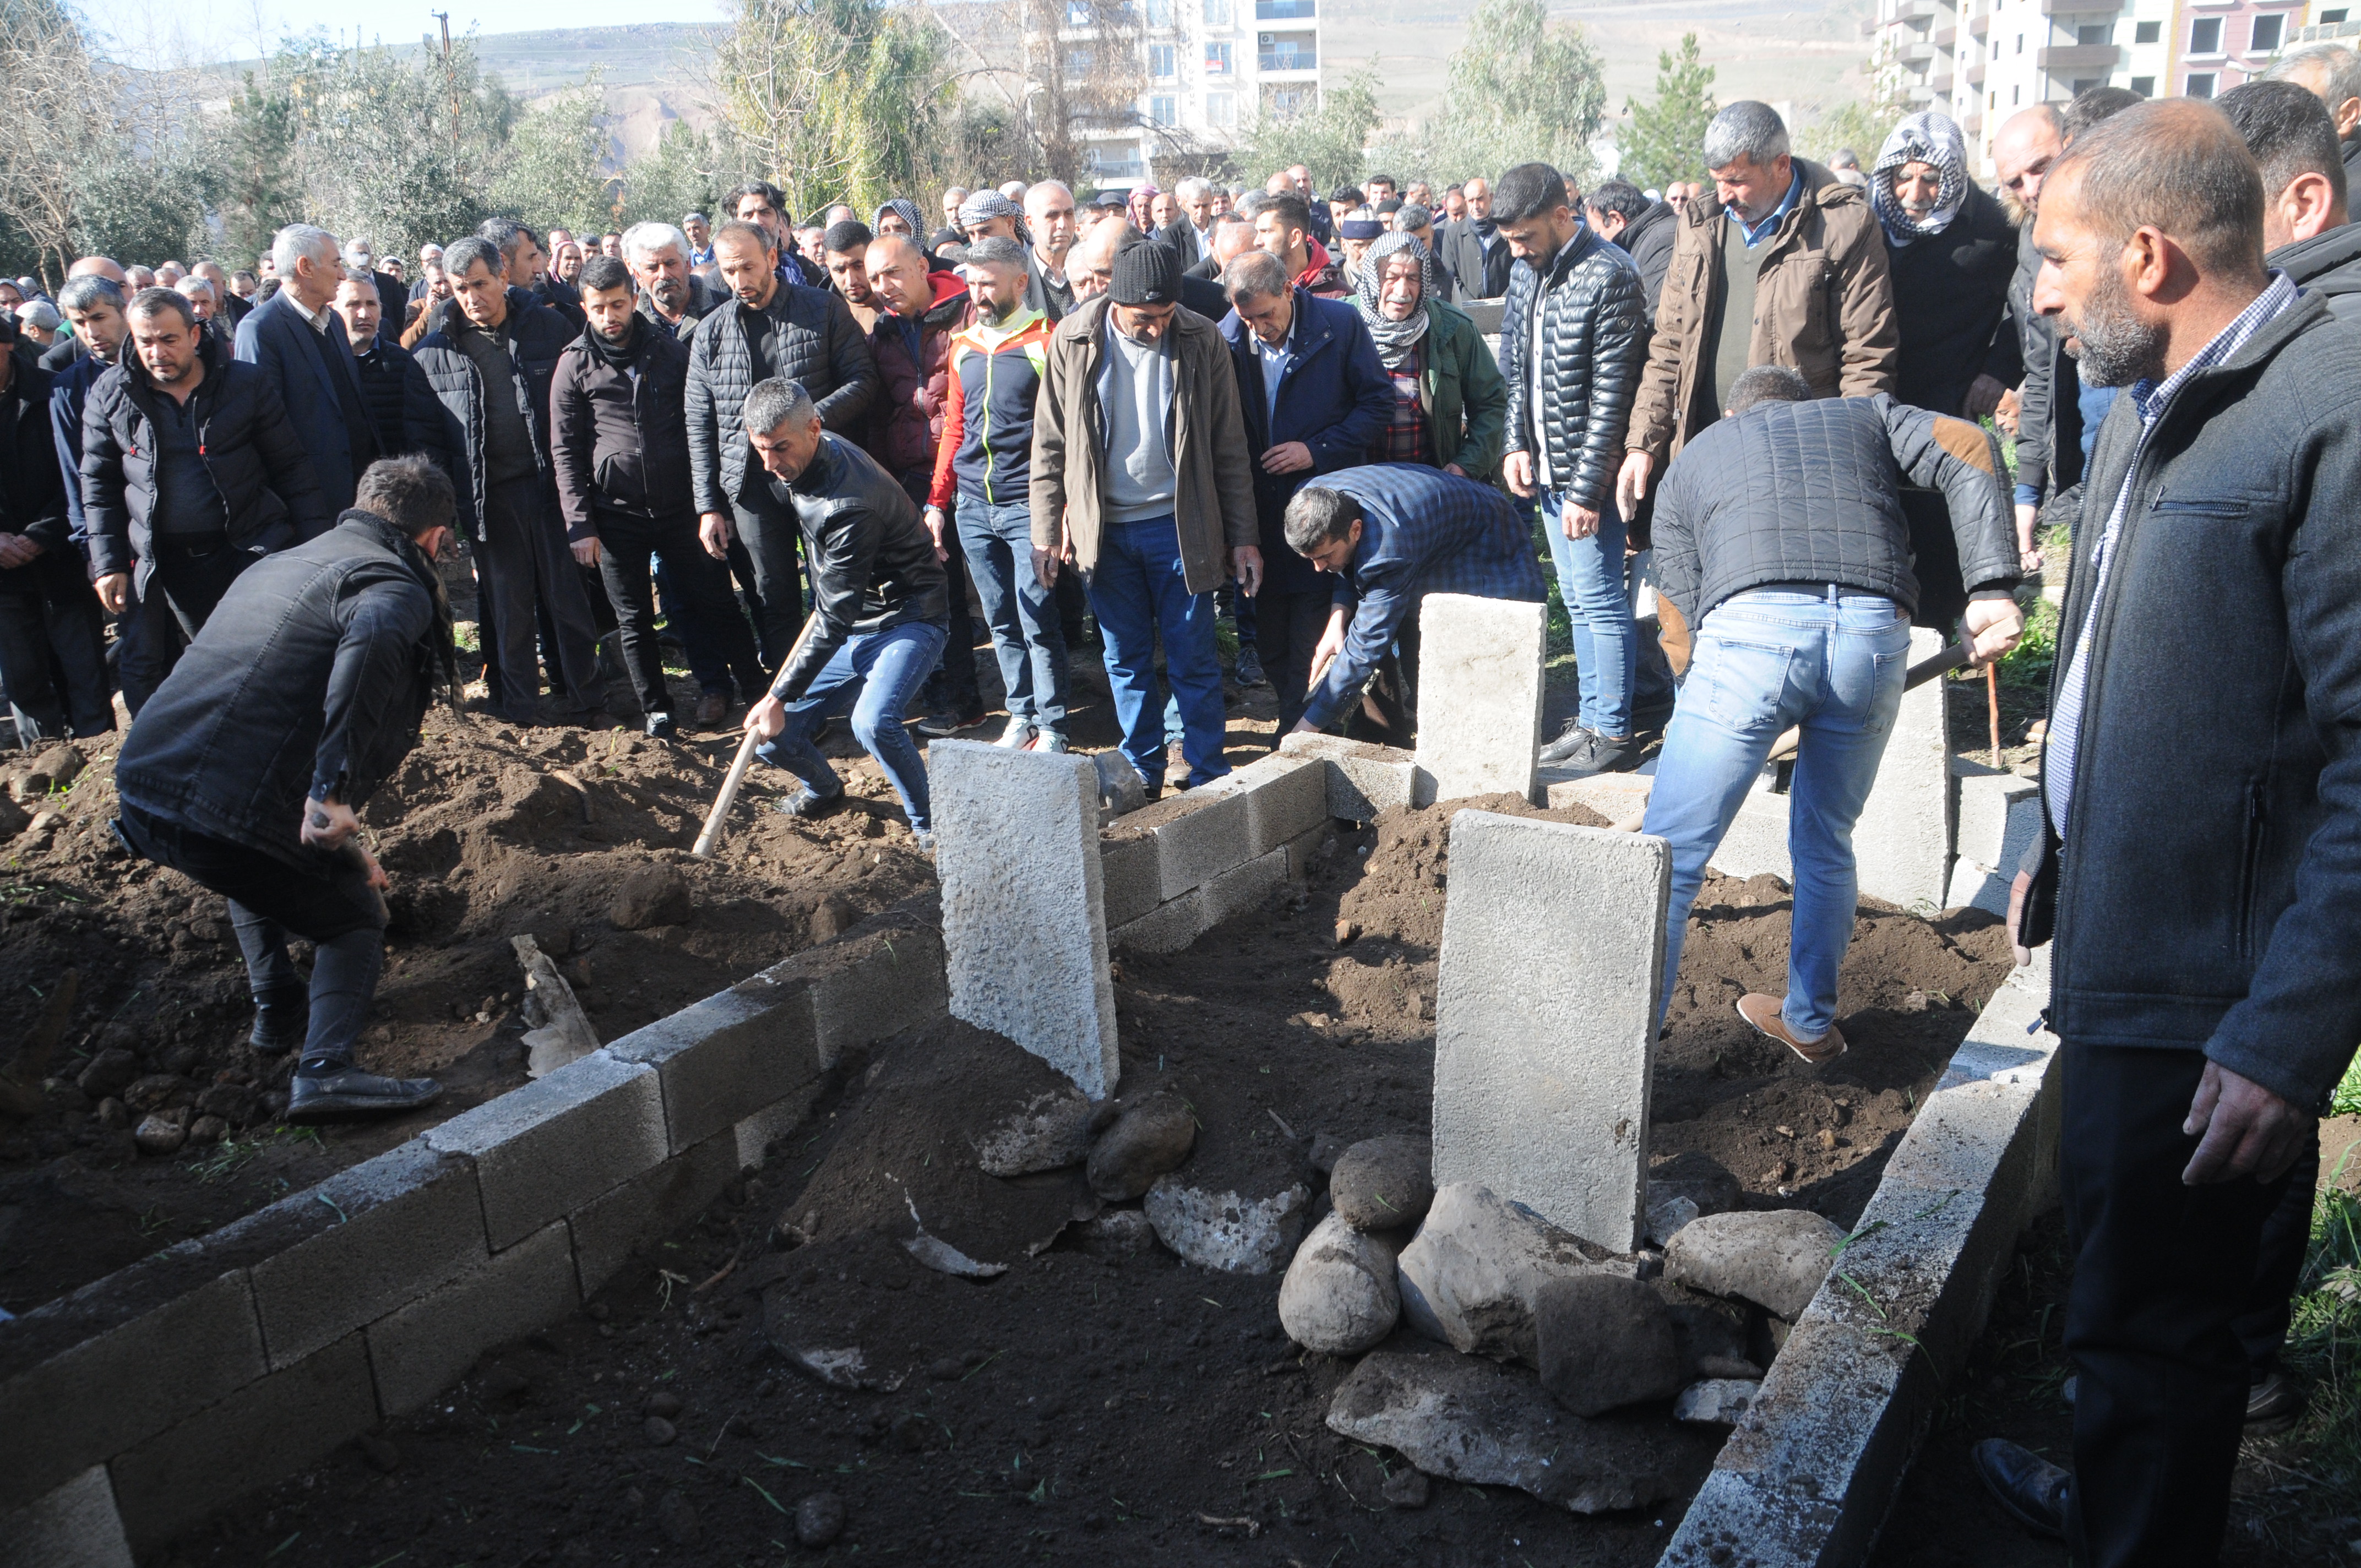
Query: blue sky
163, 32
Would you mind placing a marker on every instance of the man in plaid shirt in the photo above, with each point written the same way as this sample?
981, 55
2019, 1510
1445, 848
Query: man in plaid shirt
1392, 533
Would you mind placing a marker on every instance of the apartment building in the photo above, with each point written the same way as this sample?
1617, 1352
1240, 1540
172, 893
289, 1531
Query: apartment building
1982, 61
1210, 67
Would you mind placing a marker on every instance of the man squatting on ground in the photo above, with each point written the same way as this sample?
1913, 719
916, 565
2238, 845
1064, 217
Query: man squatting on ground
1392, 533
244, 771
879, 612
1780, 537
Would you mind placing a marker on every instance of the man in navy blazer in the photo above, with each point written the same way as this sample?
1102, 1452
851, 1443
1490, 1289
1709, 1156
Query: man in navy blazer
1316, 396
299, 342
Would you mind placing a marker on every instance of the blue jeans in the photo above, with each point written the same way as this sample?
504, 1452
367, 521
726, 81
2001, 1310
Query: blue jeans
1027, 636
1767, 662
876, 675
1590, 581
1136, 590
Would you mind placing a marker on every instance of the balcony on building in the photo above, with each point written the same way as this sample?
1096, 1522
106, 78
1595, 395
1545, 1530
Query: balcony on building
1945, 37
1976, 73
1276, 54
2079, 57
1979, 23
1940, 83
1915, 53
2086, 8
1287, 10
1907, 11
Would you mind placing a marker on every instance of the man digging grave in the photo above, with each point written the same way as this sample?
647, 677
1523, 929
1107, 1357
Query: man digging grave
1780, 536
300, 695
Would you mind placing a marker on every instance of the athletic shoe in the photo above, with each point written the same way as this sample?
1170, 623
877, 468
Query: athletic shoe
347, 1093
935, 726
1048, 740
1249, 667
1601, 754
659, 726
1570, 740
1017, 735
279, 1019
808, 802
1763, 1012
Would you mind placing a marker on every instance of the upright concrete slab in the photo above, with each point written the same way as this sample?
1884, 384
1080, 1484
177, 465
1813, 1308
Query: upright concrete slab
1024, 915
1999, 814
1903, 842
1479, 695
1544, 1032
73, 1526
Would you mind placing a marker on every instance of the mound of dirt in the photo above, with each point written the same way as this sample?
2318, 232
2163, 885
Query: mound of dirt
488, 831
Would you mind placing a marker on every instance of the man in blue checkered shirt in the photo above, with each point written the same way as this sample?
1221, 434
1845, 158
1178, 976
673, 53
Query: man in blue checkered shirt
1392, 533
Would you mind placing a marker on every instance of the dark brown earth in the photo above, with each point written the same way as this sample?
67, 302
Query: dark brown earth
1084, 1408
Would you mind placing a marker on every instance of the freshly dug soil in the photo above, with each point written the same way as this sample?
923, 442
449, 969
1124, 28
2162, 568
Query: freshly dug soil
1086, 1408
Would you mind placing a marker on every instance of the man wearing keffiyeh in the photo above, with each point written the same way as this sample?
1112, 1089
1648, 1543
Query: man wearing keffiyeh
1450, 406
1951, 251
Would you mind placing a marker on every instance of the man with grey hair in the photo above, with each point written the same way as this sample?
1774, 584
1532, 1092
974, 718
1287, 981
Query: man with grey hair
1192, 233
2330, 73
232, 309
94, 308
301, 346
1781, 264
880, 607
205, 302
1050, 211
429, 254
951, 233
672, 296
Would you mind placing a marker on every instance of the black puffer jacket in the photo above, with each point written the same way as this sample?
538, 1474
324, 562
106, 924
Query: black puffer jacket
1594, 328
1649, 242
871, 560
267, 490
2327, 264
32, 487
620, 438
535, 337
1811, 492
807, 336
310, 677
1951, 294
2209, 893
402, 407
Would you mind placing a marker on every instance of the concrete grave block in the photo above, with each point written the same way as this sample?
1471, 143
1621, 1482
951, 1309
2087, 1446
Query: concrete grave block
420, 1349
1757, 839
85, 1376
873, 983
756, 1133
1546, 1008
1903, 841
73, 1526
1023, 923
1286, 795
1198, 836
728, 1054
1303, 849
1479, 695
647, 1208
1237, 890
1999, 814
1130, 879
542, 1150
1168, 928
1362, 779
256, 1438
408, 1220
1615, 796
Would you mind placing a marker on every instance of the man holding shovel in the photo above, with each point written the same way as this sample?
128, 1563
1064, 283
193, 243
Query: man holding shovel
1780, 536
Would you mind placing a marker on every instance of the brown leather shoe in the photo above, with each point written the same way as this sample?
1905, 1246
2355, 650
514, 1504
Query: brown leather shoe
710, 708
1763, 1012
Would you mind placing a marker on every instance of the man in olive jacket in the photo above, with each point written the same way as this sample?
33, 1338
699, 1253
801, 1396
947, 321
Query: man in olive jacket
1141, 480
1780, 243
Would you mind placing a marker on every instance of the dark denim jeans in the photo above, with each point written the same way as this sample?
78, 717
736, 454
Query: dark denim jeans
1026, 637
1138, 589
875, 677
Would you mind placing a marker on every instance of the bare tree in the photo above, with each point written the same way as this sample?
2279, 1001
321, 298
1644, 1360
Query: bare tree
54, 102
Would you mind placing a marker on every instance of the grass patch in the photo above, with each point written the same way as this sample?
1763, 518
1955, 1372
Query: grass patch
2324, 1346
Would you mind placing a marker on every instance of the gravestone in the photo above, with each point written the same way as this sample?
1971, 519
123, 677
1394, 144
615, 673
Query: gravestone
1479, 696
1545, 1018
1902, 845
1017, 851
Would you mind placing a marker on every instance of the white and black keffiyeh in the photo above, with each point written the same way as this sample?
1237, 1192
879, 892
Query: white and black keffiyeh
1395, 338
1924, 137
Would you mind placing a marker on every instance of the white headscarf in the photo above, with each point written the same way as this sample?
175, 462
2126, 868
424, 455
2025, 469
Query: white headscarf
1929, 138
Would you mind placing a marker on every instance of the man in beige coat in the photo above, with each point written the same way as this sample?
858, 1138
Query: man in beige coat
1140, 480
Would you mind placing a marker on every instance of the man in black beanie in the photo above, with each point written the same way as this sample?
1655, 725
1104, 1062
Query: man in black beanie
1140, 481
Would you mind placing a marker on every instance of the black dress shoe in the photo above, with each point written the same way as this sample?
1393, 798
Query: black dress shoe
2029, 1489
281, 1018
1569, 741
1601, 754
808, 802
348, 1093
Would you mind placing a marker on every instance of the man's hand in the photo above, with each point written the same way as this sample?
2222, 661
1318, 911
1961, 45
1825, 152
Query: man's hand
1579, 523
1454, 468
1631, 483
1246, 565
114, 592
713, 531
766, 717
2018, 891
2246, 1130
1331, 644
1983, 396
1045, 566
935, 521
326, 825
17, 549
1287, 457
1994, 625
1517, 468
2029, 554
585, 550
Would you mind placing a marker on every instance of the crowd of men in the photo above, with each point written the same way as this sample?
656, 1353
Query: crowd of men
815, 446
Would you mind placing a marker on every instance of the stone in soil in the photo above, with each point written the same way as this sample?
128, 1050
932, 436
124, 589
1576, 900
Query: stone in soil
1053, 1132
663, 1403
1406, 1488
110, 1072
1464, 1419
157, 1136
1606, 1342
659, 1431
1383, 1184
1340, 1296
677, 1517
1775, 1259
820, 1519
1716, 1402
1146, 1140
1472, 1276
1227, 1231
1116, 1234
653, 896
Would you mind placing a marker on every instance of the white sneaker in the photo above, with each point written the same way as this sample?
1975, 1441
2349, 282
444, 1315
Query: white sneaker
1048, 740
1018, 734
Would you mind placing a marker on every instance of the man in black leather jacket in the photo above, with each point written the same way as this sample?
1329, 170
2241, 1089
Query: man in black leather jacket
879, 609
244, 772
